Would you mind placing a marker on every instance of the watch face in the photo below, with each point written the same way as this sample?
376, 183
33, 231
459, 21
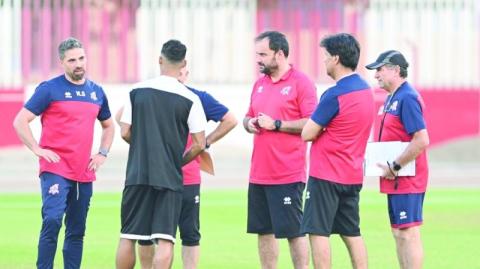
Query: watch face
396, 166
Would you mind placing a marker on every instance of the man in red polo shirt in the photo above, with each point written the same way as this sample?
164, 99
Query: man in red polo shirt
339, 129
281, 102
403, 120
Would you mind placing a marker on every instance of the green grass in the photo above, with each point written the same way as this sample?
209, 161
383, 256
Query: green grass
450, 233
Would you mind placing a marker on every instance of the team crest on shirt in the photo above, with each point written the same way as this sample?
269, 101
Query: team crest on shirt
68, 95
93, 95
286, 90
260, 89
380, 110
393, 107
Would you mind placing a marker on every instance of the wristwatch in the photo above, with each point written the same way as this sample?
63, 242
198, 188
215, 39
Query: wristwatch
278, 124
396, 167
103, 152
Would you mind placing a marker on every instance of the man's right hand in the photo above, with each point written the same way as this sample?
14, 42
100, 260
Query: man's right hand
252, 125
47, 154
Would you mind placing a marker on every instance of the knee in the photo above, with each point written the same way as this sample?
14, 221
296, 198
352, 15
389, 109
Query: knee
403, 235
52, 223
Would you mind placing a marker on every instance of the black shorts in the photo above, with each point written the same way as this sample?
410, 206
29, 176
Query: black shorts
189, 223
150, 214
331, 208
275, 209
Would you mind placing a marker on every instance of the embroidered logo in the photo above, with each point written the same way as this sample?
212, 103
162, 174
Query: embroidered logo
68, 95
307, 196
260, 89
53, 189
197, 199
80, 93
287, 201
93, 95
286, 90
393, 107
403, 215
380, 110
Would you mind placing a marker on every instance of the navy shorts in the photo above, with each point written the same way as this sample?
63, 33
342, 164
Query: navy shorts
405, 210
331, 208
275, 209
149, 213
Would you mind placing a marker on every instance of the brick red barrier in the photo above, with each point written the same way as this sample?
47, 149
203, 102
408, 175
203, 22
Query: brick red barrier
450, 113
11, 101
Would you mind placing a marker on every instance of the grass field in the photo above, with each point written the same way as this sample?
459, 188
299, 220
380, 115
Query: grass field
451, 231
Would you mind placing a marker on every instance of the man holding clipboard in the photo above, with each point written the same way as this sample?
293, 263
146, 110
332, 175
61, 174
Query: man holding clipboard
403, 120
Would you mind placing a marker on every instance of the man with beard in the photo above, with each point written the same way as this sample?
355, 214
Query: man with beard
281, 102
69, 105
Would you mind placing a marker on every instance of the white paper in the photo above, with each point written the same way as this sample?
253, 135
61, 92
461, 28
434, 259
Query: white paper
381, 152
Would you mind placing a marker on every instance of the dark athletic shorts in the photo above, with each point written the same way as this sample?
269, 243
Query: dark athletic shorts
149, 213
331, 208
189, 223
275, 209
405, 210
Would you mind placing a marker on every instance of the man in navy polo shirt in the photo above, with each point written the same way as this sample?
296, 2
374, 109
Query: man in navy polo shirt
403, 120
339, 130
69, 105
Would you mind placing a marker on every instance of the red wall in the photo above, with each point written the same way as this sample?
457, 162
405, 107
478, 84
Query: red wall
11, 101
450, 113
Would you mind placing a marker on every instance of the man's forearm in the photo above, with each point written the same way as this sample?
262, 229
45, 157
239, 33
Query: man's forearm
224, 127
192, 153
294, 126
25, 134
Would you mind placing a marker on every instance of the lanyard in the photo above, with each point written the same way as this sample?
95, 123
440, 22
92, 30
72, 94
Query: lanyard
385, 110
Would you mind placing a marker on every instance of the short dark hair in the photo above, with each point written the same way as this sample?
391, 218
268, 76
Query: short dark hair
68, 44
174, 51
345, 46
276, 41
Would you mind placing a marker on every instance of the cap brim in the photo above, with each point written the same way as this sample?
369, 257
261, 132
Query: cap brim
374, 65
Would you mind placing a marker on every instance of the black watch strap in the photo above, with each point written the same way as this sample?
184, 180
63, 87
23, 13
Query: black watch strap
396, 167
278, 124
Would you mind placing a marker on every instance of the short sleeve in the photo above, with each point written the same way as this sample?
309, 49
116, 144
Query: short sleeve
213, 109
40, 99
326, 110
250, 113
104, 113
127, 109
307, 97
196, 118
412, 114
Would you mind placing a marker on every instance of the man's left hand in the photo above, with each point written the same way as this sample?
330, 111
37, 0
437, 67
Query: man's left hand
96, 161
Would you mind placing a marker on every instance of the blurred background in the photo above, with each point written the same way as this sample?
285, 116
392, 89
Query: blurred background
440, 39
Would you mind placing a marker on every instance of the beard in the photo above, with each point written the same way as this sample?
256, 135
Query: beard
267, 70
76, 75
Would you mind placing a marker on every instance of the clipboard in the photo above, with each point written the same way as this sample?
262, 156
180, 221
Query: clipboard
381, 152
206, 162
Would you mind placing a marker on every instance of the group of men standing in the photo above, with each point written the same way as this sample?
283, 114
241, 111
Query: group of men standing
164, 122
